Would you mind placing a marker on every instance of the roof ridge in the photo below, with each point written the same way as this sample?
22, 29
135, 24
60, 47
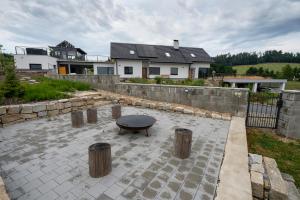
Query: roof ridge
155, 45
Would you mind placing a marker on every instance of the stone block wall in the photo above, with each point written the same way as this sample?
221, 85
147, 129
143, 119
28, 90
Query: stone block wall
223, 100
12, 114
103, 82
289, 117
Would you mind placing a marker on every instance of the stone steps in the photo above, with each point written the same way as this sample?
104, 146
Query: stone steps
268, 183
293, 192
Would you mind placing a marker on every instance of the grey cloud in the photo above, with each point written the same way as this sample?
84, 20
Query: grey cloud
93, 24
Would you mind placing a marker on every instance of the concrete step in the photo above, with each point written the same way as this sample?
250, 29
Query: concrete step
279, 190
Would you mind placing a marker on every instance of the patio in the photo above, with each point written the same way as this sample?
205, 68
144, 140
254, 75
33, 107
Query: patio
47, 159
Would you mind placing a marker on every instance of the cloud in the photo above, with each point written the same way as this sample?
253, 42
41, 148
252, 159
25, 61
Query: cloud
218, 26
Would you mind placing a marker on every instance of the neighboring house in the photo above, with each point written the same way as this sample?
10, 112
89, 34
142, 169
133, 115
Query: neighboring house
35, 59
63, 58
149, 61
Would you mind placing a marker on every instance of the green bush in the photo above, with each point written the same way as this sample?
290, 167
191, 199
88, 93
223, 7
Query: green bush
158, 79
139, 80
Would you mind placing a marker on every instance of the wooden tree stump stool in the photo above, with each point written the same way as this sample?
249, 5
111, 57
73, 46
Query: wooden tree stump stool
99, 159
116, 111
77, 119
91, 115
183, 143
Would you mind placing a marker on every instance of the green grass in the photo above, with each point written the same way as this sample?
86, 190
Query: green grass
286, 153
50, 89
241, 69
167, 81
293, 85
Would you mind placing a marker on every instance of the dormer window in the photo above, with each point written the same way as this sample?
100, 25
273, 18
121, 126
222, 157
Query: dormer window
131, 52
168, 54
193, 55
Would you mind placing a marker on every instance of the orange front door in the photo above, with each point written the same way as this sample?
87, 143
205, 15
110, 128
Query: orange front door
62, 70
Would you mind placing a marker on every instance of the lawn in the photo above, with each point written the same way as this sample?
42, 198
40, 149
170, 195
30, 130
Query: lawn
293, 85
286, 152
50, 89
241, 69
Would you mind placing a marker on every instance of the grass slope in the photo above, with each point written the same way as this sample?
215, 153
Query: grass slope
50, 89
286, 153
241, 69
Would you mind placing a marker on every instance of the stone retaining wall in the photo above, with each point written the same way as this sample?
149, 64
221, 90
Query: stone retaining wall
224, 100
289, 116
12, 114
103, 82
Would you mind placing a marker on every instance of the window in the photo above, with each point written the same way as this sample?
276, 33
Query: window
105, 70
203, 72
128, 70
154, 71
35, 66
131, 52
174, 71
168, 54
193, 55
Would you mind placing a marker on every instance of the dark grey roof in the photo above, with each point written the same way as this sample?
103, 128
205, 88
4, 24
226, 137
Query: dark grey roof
157, 53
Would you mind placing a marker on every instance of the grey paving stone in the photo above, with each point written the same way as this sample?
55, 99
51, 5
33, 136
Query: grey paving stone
63, 188
51, 147
97, 190
47, 186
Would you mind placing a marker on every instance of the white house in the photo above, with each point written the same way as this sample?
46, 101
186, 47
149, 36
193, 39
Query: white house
34, 59
149, 61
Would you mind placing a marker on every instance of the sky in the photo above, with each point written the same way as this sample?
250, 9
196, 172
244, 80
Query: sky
218, 26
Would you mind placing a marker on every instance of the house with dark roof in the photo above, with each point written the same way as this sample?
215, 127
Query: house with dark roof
149, 61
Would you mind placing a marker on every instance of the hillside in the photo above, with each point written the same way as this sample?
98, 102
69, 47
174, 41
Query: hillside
241, 69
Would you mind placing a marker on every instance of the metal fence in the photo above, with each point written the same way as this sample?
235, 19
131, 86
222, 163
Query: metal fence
263, 109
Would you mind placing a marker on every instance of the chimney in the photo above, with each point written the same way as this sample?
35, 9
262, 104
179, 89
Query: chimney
176, 44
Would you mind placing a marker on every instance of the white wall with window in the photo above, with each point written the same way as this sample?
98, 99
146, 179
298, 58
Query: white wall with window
35, 62
129, 68
202, 67
169, 70
104, 69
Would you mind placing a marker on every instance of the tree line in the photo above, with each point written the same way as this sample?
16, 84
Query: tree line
253, 58
287, 72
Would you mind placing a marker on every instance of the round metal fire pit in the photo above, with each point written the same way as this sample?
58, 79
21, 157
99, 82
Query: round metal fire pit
136, 122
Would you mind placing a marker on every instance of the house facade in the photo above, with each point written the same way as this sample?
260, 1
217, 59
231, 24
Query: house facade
149, 61
64, 58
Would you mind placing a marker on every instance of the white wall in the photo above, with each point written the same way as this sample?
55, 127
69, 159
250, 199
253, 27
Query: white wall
165, 69
137, 68
199, 65
96, 65
23, 61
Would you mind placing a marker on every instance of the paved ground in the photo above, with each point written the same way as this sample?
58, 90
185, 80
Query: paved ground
47, 159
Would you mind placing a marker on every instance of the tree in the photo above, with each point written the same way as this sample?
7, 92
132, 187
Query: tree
287, 72
11, 88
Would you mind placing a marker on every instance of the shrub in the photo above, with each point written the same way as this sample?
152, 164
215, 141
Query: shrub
11, 87
158, 79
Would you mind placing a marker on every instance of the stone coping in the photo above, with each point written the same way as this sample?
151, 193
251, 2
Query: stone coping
234, 175
186, 86
291, 91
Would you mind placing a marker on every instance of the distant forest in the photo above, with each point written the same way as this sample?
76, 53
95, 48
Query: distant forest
222, 63
255, 58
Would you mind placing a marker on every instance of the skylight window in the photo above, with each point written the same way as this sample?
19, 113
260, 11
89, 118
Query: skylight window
167, 54
131, 52
193, 55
